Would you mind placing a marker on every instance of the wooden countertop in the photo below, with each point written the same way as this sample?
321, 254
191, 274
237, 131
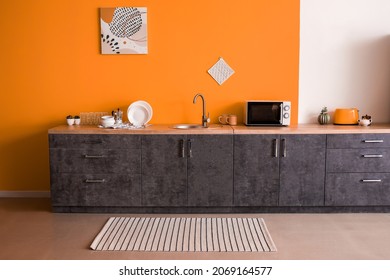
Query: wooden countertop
312, 129
152, 129
226, 129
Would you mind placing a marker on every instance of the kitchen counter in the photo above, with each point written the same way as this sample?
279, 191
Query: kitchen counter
226, 129
160, 169
312, 129
152, 129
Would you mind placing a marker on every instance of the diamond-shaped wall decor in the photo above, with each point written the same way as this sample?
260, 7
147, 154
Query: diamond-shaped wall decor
221, 71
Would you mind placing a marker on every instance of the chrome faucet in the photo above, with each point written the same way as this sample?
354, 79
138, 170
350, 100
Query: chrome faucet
205, 119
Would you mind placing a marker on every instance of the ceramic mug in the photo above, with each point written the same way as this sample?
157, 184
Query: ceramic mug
223, 119
232, 120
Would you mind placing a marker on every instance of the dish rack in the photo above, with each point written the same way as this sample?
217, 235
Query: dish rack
91, 118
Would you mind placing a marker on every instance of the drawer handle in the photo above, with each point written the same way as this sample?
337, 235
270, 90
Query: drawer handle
371, 180
372, 156
93, 142
93, 156
95, 181
373, 141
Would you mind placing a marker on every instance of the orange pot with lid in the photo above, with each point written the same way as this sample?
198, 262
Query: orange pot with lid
346, 116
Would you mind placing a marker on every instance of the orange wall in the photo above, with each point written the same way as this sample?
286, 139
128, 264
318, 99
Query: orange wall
51, 67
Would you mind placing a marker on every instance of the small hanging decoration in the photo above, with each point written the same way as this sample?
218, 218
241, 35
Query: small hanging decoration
220, 71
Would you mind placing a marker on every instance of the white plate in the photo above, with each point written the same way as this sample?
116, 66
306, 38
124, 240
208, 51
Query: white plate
139, 113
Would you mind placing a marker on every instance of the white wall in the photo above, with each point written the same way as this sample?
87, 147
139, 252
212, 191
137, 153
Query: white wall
345, 57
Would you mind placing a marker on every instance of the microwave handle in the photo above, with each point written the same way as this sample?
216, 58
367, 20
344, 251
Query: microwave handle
281, 114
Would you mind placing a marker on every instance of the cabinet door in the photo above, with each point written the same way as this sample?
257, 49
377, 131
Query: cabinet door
125, 161
357, 189
358, 160
256, 170
95, 141
101, 190
113, 190
67, 190
164, 171
210, 170
355, 141
302, 170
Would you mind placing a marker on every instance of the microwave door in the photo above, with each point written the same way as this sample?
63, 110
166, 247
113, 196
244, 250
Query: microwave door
264, 113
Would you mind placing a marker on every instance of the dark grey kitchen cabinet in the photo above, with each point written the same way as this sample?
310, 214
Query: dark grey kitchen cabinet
358, 140
358, 160
95, 170
358, 189
302, 170
187, 170
164, 171
358, 170
256, 170
98, 190
210, 170
279, 170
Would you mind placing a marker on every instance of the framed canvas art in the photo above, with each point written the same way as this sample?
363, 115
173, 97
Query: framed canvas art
124, 30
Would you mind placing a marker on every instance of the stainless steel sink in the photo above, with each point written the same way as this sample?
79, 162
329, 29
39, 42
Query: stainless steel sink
187, 126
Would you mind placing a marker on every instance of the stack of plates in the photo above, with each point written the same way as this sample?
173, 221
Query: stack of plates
139, 113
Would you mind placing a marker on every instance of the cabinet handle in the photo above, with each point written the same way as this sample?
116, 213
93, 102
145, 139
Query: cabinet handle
276, 149
372, 156
189, 145
373, 141
93, 142
371, 180
284, 148
95, 181
182, 151
93, 156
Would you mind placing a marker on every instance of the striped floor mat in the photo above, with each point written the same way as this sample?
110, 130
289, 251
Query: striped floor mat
184, 235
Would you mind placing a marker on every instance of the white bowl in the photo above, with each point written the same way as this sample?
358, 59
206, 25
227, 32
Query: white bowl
107, 121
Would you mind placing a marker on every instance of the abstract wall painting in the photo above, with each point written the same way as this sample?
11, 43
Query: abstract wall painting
124, 30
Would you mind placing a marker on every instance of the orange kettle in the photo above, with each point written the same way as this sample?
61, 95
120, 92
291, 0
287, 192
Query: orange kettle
346, 116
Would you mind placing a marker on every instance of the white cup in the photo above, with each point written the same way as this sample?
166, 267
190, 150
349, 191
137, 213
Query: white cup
70, 121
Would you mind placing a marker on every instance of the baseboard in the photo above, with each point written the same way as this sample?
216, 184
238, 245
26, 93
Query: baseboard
24, 194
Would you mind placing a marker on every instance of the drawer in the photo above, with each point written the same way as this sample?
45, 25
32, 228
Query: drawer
358, 160
95, 190
95, 141
95, 161
363, 140
357, 189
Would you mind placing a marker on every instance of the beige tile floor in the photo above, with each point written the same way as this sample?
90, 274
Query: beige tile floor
29, 230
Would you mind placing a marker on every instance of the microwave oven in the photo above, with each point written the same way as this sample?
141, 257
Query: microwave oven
267, 112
